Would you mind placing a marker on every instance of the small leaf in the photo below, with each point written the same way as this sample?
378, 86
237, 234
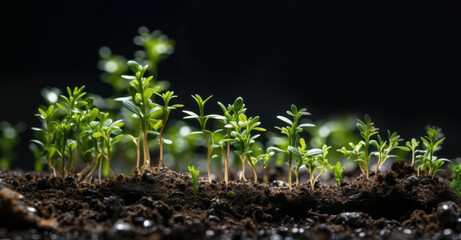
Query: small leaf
97, 135
285, 120
131, 107
167, 141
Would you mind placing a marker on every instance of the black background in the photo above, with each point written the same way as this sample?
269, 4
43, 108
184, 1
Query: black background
398, 61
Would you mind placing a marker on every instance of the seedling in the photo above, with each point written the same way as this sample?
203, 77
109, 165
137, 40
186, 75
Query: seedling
292, 131
140, 104
428, 160
456, 182
243, 140
367, 130
314, 160
384, 148
303, 156
231, 113
194, 174
203, 119
412, 145
166, 110
106, 131
338, 172
355, 153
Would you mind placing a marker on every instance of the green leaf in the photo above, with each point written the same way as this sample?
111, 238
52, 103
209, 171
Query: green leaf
285, 120
117, 139
295, 151
131, 107
134, 66
97, 135
276, 149
167, 141
306, 125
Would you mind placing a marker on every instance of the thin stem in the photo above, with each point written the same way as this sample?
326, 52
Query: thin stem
108, 160
138, 150
242, 174
255, 174
226, 174
160, 142
296, 176
289, 172
208, 155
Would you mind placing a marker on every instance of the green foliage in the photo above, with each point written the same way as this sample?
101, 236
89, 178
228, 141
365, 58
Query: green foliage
70, 132
9, 139
428, 161
367, 130
140, 104
412, 145
194, 174
338, 172
456, 182
292, 132
203, 119
384, 148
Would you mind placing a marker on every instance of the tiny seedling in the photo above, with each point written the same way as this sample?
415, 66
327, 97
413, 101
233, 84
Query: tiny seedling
203, 119
303, 156
355, 153
428, 161
166, 110
456, 182
316, 159
412, 145
384, 148
292, 131
338, 172
194, 174
231, 114
109, 128
140, 104
367, 130
243, 140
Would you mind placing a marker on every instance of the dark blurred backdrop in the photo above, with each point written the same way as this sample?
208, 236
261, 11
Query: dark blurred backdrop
398, 61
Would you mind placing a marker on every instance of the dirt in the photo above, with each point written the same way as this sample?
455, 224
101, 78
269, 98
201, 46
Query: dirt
395, 204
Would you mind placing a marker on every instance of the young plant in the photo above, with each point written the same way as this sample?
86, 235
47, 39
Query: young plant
292, 131
338, 172
107, 129
203, 119
315, 160
384, 148
194, 174
166, 110
303, 155
367, 130
412, 145
140, 104
456, 182
355, 153
428, 160
243, 140
231, 114
46, 136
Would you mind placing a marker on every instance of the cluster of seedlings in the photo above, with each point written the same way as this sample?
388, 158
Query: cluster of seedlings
74, 130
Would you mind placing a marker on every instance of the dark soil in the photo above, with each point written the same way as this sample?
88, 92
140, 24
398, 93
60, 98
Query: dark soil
391, 205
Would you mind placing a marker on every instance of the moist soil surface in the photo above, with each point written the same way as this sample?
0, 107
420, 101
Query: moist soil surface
395, 204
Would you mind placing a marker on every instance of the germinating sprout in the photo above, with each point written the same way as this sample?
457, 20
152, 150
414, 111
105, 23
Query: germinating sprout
194, 174
428, 161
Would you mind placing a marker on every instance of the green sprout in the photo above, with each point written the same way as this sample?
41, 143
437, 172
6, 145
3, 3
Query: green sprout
355, 153
303, 156
109, 128
456, 182
338, 172
292, 131
243, 140
139, 103
428, 161
194, 174
231, 114
367, 130
166, 110
315, 159
412, 145
385, 148
203, 119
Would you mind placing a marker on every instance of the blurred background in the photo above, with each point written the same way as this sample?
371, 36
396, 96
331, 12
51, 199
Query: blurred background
398, 61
